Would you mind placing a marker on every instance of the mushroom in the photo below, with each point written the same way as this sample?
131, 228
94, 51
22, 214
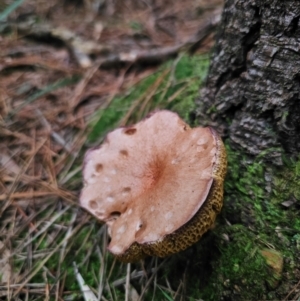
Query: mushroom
158, 185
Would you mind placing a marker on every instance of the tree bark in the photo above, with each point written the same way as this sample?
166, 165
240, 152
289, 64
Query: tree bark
253, 86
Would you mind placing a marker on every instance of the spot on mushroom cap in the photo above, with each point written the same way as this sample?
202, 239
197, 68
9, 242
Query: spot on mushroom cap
156, 175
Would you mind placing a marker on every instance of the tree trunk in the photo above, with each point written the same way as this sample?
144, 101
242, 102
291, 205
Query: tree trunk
252, 91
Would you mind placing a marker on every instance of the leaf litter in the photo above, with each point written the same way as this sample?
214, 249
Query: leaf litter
60, 62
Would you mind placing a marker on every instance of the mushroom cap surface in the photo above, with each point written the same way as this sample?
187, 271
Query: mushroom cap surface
158, 185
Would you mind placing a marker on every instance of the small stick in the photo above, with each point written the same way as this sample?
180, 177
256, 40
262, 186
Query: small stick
127, 283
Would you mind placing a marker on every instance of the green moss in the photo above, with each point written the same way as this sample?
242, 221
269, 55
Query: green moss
253, 218
177, 91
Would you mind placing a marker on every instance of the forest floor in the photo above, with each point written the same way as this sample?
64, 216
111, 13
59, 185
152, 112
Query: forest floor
71, 71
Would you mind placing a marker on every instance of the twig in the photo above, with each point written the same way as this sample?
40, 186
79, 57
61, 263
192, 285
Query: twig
132, 57
82, 84
153, 90
293, 290
56, 137
87, 293
15, 184
43, 262
101, 272
151, 278
43, 230
127, 285
134, 275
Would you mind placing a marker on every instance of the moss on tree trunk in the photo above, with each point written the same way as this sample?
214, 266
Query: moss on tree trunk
252, 98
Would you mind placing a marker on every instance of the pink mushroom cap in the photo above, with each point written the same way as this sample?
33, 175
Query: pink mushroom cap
148, 180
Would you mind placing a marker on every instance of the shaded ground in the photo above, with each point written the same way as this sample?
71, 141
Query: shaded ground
69, 72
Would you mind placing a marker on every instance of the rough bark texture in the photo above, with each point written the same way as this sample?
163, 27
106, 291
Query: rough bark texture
252, 92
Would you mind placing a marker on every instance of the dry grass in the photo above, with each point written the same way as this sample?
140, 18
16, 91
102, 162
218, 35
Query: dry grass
50, 89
